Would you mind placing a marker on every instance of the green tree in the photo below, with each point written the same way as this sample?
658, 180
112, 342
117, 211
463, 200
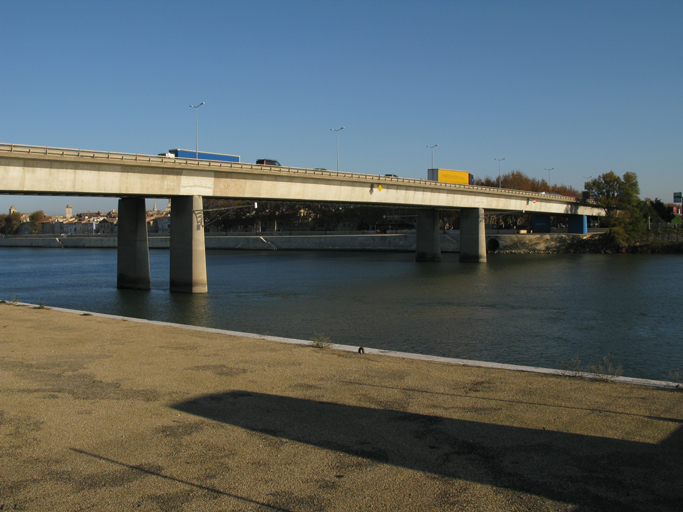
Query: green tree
36, 219
605, 190
12, 223
664, 212
619, 197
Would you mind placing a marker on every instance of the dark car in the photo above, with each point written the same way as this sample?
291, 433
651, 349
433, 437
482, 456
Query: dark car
265, 161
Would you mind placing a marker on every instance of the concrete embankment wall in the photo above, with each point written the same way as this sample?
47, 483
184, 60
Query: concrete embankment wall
394, 242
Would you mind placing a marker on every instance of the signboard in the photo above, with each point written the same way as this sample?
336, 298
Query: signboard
678, 196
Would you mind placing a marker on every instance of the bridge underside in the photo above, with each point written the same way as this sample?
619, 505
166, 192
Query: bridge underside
33, 170
188, 256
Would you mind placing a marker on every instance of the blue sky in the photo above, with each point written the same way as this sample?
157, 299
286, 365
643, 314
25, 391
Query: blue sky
582, 86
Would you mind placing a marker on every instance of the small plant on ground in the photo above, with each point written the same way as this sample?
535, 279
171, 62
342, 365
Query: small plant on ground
607, 369
572, 368
320, 340
674, 376
41, 304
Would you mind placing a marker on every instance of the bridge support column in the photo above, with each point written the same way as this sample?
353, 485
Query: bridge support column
133, 250
540, 223
578, 224
472, 235
428, 238
188, 256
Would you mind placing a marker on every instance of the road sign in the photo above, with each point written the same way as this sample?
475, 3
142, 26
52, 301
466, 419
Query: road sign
678, 197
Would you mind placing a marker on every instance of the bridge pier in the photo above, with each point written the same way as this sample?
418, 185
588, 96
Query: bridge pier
132, 261
188, 256
540, 224
427, 237
578, 224
472, 235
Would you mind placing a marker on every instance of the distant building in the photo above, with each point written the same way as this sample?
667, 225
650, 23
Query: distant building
107, 227
158, 222
69, 212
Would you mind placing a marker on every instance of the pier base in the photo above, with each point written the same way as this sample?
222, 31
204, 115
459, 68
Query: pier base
188, 256
472, 235
133, 250
428, 238
578, 224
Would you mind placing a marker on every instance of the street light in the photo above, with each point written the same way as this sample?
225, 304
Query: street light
500, 183
337, 131
196, 147
432, 148
551, 169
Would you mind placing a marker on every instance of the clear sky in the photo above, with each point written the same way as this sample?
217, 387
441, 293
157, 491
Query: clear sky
583, 87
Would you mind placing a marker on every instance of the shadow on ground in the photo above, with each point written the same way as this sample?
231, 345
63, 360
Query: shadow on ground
593, 473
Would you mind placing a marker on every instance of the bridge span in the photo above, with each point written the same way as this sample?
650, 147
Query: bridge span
39, 170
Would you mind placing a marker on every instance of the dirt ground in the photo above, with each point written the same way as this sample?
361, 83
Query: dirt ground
112, 414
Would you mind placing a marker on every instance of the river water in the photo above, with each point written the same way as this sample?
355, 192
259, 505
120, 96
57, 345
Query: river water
536, 310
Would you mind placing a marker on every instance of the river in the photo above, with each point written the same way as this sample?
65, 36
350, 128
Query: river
536, 310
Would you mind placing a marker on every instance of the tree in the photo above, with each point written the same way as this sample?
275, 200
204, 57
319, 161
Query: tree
12, 223
619, 197
517, 180
36, 219
664, 212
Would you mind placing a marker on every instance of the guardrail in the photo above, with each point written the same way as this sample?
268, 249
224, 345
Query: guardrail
245, 167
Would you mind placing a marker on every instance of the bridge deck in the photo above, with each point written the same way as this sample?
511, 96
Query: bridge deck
42, 170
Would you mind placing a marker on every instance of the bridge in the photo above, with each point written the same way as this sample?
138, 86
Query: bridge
40, 170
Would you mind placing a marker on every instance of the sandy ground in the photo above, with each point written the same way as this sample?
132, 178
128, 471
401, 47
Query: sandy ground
110, 414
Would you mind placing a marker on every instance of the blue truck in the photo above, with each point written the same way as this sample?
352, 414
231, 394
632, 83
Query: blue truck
189, 154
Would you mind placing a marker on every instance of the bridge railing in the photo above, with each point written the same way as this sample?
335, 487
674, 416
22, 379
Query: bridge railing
242, 166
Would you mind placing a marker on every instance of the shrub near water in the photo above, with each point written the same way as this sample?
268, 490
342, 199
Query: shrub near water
606, 369
320, 340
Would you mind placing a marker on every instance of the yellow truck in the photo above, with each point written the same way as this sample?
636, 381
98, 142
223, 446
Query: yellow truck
450, 176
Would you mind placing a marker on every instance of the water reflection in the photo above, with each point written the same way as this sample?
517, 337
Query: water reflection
535, 310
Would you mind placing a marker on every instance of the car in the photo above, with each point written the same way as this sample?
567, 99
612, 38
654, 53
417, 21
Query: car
265, 161
390, 176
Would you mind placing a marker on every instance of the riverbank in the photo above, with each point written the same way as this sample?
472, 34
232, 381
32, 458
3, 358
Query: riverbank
114, 414
497, 240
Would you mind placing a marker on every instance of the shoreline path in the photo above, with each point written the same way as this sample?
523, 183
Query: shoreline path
100, 413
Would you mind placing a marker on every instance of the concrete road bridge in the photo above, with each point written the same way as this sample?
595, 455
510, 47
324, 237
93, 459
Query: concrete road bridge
39, 170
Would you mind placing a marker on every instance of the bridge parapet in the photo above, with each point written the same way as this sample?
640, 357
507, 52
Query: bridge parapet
177, 168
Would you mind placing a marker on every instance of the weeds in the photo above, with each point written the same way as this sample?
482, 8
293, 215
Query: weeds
572, 368
607, 369
674, 376
320, 340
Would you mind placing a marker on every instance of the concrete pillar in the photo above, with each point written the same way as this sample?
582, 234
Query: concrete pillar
540, 224
133, 250
428, 238
578, 224
188, 257
472, 235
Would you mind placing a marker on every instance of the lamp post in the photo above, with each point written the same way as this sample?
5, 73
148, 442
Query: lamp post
500, 182
551, 169
337, 131
196, 147
432, 148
